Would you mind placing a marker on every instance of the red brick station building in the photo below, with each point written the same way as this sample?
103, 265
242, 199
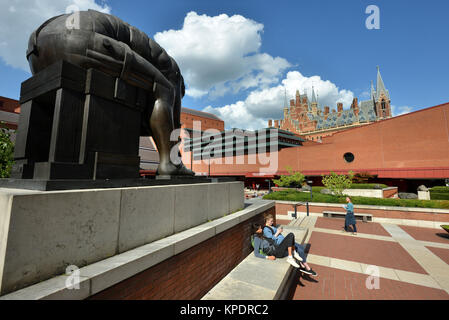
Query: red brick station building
404, 151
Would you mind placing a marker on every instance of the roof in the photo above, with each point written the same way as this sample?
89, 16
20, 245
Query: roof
200, 113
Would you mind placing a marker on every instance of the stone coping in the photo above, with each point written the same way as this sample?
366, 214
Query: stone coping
363, 206
108, 272
257, 279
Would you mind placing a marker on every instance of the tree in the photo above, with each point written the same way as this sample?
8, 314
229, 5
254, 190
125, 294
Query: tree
337, 183
6, 151
293, 179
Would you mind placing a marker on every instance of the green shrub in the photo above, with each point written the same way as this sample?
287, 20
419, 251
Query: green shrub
6, 152
292, 195
337, 182
439, 193
440, 189
293, 179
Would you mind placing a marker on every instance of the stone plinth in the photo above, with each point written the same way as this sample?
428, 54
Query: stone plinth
43, 232
423, 195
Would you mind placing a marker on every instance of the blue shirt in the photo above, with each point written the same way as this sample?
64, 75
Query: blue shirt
270, 235
350, 207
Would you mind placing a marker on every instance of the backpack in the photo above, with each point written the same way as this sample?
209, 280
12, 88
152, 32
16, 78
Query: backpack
268, 251
260, 250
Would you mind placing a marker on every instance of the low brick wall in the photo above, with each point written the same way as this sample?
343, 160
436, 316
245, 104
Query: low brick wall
390, 192
192, 273
381, 212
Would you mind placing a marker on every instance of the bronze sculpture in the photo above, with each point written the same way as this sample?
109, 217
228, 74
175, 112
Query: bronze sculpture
104, 42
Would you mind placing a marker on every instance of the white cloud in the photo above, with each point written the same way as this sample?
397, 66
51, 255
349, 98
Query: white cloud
23, 16
264, 104
398, 111
221, 54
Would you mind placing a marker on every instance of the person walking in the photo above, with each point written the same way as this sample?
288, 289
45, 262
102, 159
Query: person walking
350, 218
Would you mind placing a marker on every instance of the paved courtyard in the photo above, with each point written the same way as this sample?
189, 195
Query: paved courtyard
412, 262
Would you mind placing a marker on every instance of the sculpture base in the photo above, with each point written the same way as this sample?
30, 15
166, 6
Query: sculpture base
53, 185
43, 232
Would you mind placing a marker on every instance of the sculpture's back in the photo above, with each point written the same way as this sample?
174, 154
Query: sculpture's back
98, 85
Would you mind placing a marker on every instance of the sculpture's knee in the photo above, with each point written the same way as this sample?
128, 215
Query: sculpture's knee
164, 93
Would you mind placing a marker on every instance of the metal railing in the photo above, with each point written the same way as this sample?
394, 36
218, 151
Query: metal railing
295, 215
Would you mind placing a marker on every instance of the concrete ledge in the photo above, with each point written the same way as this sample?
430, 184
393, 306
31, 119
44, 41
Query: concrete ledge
105, 273
257, 279
41, 233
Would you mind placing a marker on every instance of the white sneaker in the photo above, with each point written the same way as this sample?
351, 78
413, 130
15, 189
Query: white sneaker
292, 262
297, 256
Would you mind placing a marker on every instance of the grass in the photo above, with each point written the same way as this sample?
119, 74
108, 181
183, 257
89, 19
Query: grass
292, 195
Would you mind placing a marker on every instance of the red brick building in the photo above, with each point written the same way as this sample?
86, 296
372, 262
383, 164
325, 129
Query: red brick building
403, 151
309, 120
9, 112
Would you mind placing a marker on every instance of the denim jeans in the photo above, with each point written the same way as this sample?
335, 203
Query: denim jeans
300, 249
353, 227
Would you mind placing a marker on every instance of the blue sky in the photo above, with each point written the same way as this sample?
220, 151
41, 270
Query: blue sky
238, 57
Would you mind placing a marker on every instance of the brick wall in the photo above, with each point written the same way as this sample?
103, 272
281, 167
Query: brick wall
390, 193
192, 273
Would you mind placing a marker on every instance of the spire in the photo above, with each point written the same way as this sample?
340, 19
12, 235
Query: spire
285, 98
380, 86
313, 96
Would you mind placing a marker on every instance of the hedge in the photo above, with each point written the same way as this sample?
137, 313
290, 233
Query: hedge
356, 186
439, 193
325, 198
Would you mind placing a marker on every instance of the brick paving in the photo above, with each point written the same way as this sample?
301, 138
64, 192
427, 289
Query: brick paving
338, 283
335, 284
362, 227
368, 251
427, 234
443, 254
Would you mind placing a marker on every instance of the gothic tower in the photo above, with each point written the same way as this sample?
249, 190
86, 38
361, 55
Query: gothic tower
381, 98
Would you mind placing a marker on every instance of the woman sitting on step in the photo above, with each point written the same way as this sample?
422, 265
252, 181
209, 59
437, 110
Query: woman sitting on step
271, 232
272, 251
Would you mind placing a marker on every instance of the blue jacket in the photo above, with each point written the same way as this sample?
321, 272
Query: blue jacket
260, 244
270, 235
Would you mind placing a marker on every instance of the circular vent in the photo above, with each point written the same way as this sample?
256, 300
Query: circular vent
349, 157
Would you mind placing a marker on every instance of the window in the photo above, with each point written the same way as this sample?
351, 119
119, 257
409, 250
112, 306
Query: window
349, 157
